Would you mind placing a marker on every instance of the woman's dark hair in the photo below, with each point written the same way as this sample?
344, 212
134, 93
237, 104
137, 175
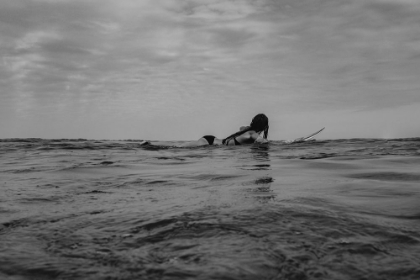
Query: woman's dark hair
259, 123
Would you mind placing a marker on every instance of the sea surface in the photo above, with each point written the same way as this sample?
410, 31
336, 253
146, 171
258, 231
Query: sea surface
330, 209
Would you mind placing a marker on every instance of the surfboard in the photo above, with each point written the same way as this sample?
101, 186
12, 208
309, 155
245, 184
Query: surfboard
310, 136
307, 138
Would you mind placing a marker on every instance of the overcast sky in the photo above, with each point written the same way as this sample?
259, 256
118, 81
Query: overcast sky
179, 69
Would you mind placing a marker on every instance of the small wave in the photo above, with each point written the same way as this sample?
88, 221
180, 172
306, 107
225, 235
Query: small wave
386, 176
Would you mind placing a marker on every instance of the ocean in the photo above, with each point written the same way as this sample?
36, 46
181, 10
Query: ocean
329, 209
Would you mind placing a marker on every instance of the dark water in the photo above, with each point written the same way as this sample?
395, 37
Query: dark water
79, 209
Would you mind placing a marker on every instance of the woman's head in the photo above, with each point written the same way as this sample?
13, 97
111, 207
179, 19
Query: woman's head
259, 122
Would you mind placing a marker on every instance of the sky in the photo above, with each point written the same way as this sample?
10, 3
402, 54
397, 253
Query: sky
180, 69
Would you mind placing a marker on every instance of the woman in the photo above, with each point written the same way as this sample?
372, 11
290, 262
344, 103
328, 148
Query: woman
246, 135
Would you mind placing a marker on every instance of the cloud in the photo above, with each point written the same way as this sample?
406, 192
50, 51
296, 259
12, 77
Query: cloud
152, 58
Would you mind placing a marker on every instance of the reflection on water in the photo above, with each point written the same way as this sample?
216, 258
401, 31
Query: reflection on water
263, 192
260, 153
260, 158
117, 210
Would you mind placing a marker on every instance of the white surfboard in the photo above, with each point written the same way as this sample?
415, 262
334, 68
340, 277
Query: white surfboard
312, 135
307, 138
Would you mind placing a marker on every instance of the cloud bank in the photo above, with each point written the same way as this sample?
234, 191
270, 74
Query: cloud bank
80, 67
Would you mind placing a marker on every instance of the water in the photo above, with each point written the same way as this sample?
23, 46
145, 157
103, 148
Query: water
340, 209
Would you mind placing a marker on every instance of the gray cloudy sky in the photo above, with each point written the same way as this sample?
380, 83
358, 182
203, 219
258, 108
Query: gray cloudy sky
178, 69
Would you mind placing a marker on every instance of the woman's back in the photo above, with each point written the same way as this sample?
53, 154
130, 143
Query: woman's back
248, 137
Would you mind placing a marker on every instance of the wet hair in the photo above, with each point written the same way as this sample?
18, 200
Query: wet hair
259, 123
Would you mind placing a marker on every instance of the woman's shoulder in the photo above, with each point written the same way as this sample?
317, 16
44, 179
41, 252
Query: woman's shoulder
251, 134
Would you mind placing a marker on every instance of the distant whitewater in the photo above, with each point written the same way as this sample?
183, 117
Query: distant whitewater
337, 209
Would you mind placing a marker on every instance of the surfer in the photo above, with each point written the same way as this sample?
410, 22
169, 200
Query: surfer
256, 132
246, 135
